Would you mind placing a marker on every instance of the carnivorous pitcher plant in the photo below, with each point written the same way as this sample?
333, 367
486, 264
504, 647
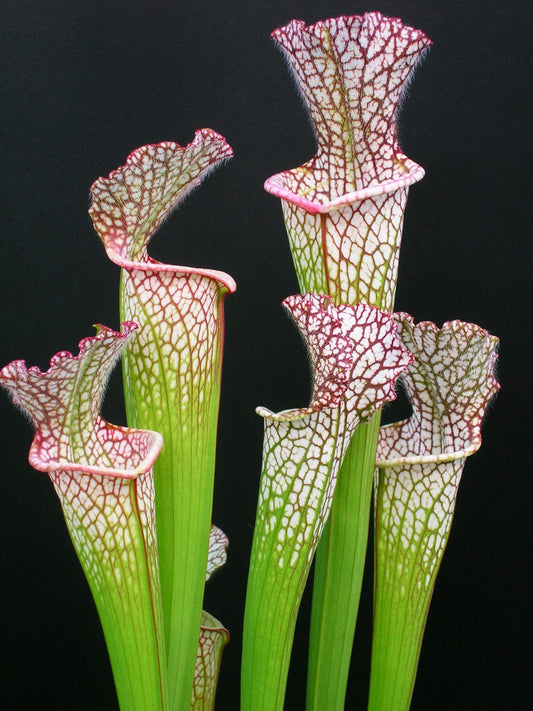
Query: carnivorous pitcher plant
137, 500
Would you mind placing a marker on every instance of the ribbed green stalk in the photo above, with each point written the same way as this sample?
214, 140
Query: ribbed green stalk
339, 568
264, 683
278, 573
397, 641
183, 518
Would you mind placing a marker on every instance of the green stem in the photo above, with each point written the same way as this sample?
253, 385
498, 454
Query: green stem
396, 643
183, 515
340, 562
267, 651
413, 517
280, 561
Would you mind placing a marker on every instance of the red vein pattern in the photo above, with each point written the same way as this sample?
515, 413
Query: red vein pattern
449, 386
178, 307
133, 201
356, 357
172, 371
213, 636
213, 639
216, 556
103, 477
420, 462
344, 208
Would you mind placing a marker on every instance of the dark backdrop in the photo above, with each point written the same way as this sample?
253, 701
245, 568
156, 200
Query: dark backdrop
84, 83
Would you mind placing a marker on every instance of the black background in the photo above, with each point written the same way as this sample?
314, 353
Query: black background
83, 84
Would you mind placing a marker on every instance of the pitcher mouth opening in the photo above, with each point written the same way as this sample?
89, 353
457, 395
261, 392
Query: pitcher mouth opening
127, 461
277, 185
